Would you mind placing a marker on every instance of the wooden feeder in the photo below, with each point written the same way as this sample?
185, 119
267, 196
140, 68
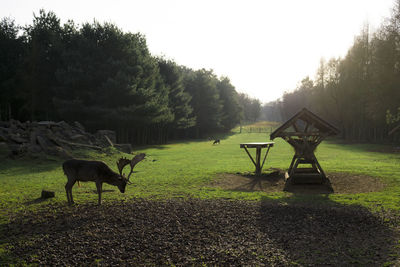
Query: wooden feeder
304, 132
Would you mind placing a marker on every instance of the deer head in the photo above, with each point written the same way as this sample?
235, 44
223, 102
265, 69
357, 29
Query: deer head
122, 162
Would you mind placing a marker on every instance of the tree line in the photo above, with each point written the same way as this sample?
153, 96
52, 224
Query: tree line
359, 93
106, 78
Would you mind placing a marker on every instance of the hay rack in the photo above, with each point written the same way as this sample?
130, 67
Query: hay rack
304, 132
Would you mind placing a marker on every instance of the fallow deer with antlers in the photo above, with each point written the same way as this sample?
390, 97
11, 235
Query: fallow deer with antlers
98, 172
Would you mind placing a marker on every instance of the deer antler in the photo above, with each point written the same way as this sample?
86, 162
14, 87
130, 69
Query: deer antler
136, 159
122, 162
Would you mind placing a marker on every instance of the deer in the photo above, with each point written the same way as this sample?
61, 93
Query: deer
217, 142
97, 171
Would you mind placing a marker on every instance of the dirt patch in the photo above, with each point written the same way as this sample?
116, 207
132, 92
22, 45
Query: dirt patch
338, 183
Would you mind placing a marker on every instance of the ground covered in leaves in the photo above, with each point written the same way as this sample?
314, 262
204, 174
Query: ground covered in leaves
196, 232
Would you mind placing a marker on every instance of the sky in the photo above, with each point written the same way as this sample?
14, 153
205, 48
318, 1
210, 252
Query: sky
265, 47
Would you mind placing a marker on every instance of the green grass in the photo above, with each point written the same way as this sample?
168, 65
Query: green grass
184, 169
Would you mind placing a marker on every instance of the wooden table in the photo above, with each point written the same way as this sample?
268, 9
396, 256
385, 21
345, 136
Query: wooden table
258, 147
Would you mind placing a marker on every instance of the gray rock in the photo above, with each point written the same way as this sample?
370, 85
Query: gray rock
17, 139
44, 144
34, 149
79, 126
3, 137
54, 138
64, 125
18, 149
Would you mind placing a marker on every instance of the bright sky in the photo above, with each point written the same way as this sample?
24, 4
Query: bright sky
265, 47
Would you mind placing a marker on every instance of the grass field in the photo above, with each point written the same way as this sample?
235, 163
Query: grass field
186, 170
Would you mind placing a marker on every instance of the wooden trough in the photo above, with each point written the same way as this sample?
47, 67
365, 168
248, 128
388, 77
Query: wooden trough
304, 132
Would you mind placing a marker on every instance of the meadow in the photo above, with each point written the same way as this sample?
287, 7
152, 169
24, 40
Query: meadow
186, 170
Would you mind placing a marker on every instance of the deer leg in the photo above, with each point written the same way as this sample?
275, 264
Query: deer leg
68, 189
99, 186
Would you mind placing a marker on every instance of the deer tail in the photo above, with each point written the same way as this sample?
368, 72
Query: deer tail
79, 184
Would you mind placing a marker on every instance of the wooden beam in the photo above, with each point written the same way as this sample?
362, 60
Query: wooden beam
295, 127
266, 153
298, 134
248, 153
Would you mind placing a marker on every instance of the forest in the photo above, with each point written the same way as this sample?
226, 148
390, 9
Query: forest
359, 93
107, 79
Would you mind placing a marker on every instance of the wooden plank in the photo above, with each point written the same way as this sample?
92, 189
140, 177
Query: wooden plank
250, 156
255, 145
266, 153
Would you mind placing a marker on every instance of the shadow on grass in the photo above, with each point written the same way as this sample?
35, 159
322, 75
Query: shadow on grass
259, 181
104, 191
272, 182
322, 232
312, 188
365, 147
24, 167
35, 201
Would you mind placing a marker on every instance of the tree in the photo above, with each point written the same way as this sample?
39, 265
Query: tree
11, 56
178, 97
293, 102
207, 106
111, 79
44, 48
251, 107
232, 112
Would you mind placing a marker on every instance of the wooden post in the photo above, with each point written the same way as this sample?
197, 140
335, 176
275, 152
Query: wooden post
258, 147
291, 164
258, 158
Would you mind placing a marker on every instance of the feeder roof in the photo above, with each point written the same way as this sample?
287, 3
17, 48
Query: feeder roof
305, 123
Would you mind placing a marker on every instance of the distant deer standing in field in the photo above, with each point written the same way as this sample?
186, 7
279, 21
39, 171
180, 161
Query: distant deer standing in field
98, 172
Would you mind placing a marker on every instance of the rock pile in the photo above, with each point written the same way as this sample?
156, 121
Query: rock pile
53, 138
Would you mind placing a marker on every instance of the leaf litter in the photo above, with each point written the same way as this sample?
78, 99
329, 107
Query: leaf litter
195, 232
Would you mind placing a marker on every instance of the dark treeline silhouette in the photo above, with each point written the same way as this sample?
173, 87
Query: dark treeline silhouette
359, 93
106, 78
